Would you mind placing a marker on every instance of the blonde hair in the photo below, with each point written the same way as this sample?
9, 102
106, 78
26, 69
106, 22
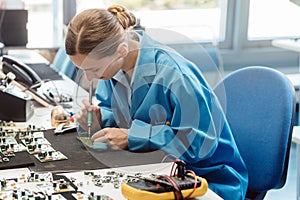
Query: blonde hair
99, 31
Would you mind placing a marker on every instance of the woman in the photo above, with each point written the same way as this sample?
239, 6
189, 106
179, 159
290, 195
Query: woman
151, 98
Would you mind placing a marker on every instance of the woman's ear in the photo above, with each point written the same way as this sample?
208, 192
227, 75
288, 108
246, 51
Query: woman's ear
123, 49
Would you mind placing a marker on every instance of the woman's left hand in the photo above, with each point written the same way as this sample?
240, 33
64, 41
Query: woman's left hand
117, 138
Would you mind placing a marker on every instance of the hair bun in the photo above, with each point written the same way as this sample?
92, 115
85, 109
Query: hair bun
125, 18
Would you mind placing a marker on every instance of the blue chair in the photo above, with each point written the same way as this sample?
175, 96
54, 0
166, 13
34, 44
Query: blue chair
63, 64
259, 103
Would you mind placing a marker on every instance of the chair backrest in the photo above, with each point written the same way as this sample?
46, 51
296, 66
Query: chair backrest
63, 64
259, 103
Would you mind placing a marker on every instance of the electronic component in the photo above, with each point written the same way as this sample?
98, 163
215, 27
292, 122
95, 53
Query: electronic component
33, 185
183, 185
30, 139
100, 146
59, 116
61, 129
46, 156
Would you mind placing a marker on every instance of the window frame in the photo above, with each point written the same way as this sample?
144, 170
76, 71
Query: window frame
236, 50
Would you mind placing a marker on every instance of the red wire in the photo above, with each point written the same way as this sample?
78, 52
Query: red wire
195, 184
177, 189
175, 184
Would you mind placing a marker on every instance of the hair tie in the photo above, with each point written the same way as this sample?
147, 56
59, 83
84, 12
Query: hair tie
116, 9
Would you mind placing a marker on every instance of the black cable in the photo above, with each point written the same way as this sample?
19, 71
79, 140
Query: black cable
1, 22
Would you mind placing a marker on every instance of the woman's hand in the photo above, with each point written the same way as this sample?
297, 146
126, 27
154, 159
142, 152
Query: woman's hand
117, 138
82, 116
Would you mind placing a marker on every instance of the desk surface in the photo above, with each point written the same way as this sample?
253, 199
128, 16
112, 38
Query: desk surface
42, 115
289, 44
85, 184
81, 158
296, 134
145, 170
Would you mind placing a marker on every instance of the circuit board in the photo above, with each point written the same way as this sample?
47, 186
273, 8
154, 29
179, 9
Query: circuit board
30, 139
87, 142
45, 185
36, 186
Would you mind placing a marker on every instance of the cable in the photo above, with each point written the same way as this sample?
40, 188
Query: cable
195, 183
39, 83
180, 168
181, 172
173, 157
177, 192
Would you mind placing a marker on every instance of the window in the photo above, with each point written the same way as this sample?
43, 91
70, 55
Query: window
197, 20
44, 23
273, 19
243, 39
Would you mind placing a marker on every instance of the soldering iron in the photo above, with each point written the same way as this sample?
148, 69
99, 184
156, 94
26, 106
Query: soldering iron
90, 112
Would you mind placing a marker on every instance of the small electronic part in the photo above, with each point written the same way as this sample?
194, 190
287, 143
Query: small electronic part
36, 145
47, 156
55, 96
91, 196
39, 148
30, 134
7, 133
5, 159
37, 177
8, 144
4, 123
59, 116
62, 129
180, 185
111, 177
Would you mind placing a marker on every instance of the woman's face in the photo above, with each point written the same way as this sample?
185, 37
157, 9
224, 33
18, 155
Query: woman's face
104, 68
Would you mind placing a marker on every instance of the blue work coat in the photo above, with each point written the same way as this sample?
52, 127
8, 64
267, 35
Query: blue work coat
169, 106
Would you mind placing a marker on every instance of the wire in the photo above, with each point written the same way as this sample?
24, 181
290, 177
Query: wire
177, 192
180, 169
38, 84
195, 183
173, 157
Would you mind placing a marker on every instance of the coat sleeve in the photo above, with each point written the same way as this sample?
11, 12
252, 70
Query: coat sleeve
192, 131
103, 95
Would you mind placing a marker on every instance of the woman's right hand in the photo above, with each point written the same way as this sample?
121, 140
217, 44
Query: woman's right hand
82, 116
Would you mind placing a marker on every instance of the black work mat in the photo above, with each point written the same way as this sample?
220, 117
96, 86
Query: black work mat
84, 158
78, 157
22, 159
45, 71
